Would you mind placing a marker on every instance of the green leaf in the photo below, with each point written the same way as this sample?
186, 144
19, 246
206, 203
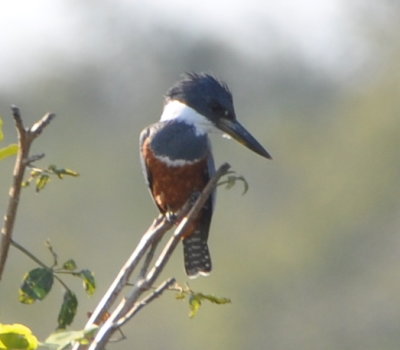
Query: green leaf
89, 282
42, 181
62, 339
70, 172
68, 310
17, 336
196, 299
8, 151
216, 300
26, 183
36, 285
69, 265
61, 172
194, 305
1, 129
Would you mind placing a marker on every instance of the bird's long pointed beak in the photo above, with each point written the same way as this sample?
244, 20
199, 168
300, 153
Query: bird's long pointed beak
234, 129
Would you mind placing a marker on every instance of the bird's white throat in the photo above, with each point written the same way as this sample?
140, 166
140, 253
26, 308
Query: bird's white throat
176, 110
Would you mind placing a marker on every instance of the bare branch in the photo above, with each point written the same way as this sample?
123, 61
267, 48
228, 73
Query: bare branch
38, 127
25, 139
34, 158
129, 306
149, 258
18, 119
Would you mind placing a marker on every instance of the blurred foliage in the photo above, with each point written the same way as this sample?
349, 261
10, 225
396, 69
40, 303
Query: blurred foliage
9, 150
17, 336
195, 299
38, 282
41, 177
36, 285
309, 255
64, 339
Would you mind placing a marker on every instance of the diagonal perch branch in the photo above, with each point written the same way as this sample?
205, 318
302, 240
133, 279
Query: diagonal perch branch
25, 139
130, 305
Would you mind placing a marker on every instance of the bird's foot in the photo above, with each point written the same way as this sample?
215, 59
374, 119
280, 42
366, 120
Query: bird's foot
171, 217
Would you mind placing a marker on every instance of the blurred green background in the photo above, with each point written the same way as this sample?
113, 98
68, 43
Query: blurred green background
310, 255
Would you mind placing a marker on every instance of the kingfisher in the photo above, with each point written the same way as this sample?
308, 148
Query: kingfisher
177, 160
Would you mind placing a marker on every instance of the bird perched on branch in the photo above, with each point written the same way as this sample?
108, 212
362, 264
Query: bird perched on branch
177, 159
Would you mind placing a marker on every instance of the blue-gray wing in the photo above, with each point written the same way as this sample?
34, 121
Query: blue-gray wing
144, 136
211, 173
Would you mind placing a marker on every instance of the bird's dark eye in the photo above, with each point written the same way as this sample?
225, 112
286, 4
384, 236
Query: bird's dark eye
215, 106
219, 109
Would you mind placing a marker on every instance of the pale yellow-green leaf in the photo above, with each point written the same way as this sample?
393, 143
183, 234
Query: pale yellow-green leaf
194, 305
17, 336
62, 339
10, 150
1, 129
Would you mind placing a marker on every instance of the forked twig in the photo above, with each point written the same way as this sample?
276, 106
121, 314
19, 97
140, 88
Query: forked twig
130, 305
25, 139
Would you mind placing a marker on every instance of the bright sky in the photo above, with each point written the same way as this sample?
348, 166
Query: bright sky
29, 29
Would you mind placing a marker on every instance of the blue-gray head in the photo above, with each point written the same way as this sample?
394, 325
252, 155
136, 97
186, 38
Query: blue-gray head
204, 101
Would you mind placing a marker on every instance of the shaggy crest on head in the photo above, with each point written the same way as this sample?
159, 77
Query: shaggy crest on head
204, 93
198, 85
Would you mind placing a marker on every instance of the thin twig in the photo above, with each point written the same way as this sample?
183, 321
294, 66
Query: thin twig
150, 253
36, 260
39, 126
25, 139
28, 253
145, 301
34, 158
18, 119
149, 257
52, 252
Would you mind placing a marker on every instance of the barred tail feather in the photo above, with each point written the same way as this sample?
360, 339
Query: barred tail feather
196, 255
